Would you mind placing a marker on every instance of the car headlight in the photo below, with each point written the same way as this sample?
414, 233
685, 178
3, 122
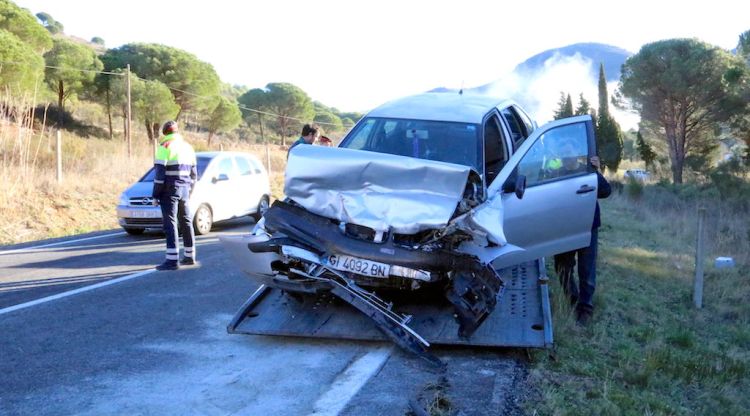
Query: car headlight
124, 200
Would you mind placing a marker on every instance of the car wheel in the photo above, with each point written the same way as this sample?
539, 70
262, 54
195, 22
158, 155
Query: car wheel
203, 220
134, 231
262, 208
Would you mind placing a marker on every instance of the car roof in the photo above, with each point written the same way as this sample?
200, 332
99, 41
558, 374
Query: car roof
211, 155
441, 106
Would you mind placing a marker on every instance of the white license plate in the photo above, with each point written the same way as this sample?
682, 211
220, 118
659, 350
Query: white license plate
359, 266
144, 214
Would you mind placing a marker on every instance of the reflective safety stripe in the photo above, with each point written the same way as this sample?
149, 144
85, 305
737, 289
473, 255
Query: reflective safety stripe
180, 161
177, 173
172, 251
160, 162
173, 257
158, 181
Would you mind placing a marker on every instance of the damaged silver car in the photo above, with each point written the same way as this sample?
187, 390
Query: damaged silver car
427, 194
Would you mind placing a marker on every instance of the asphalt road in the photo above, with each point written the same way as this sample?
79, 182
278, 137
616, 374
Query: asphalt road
88, 328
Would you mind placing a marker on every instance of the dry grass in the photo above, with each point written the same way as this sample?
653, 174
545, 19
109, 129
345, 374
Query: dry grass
648, 350
95, 171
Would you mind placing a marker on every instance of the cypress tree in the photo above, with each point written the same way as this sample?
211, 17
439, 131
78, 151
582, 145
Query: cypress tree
608, 133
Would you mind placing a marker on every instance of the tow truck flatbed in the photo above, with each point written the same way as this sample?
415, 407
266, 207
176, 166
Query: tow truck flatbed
522, 317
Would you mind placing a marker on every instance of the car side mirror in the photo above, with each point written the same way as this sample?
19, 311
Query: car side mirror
221, 177
515, 184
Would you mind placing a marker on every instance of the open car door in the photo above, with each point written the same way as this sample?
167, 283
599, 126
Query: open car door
548, 191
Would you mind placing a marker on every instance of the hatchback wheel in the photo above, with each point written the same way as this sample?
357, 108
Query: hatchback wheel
262, 208
203, 220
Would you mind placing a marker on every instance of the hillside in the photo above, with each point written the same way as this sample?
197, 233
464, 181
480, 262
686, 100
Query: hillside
611, 56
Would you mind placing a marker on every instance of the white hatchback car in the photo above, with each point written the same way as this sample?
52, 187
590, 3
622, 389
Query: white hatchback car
637, 174
230, 185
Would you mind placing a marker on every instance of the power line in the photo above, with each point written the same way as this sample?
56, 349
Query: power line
242, 107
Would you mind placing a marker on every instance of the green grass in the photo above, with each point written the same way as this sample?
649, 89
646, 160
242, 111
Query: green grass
648, 350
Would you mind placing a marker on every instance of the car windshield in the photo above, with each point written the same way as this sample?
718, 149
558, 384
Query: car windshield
432, 140
202, 164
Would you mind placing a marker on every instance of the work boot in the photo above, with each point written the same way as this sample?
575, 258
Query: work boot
583, 317
168, 265
188, 261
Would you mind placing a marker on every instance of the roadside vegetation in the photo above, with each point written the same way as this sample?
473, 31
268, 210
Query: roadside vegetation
648, 350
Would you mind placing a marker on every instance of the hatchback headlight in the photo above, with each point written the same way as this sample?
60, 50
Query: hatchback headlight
124, 200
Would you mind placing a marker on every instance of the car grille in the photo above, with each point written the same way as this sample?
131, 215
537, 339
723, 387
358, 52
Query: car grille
142, 201
150, 222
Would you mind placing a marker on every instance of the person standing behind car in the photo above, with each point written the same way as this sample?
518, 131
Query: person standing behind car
176, 173
310, 133
582, 295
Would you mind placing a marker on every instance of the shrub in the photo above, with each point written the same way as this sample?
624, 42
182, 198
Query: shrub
634, 189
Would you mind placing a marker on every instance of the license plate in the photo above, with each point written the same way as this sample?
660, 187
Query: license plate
359, 266
145, 214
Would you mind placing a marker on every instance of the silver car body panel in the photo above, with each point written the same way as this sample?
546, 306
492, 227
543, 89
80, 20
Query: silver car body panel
463, 108
381, 191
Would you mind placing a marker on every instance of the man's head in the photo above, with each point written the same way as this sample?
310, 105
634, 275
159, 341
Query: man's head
325, 141
310, 132
569, 156
169, 127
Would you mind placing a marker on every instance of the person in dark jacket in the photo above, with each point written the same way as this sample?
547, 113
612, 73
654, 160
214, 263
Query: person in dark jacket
310, 133
582, 294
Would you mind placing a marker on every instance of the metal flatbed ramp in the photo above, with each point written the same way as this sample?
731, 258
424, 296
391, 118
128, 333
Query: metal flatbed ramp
521, 319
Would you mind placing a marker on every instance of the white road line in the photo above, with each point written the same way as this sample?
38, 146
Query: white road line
74, 292
59, 243
348, 383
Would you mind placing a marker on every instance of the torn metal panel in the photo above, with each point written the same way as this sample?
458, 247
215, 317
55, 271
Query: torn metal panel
376, 190
486, 221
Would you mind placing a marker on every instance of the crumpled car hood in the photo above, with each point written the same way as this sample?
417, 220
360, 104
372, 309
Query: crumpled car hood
376, 190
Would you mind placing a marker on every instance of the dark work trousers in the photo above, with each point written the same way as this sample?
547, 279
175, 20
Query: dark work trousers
583, 292
175, 209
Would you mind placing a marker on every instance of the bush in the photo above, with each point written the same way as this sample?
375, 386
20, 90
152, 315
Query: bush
634, 189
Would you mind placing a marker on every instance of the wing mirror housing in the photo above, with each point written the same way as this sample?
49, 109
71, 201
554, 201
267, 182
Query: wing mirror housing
221, 177
515, 184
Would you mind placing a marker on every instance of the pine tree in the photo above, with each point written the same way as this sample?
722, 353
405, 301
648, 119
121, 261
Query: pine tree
608, 133
564, 106
583, 107
645, 151
568, 107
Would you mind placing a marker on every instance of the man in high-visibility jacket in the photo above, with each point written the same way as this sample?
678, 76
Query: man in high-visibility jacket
176, 173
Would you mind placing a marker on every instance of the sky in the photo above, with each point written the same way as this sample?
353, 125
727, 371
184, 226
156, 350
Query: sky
356, 55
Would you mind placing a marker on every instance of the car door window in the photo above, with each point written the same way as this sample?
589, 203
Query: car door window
256, 165
243, 166
495, 152
514, 124
559, 153
226, 167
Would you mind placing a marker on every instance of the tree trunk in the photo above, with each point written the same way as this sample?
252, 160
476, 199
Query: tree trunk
149, 131
109, 115
155, 127
124, 124
210, 136
60, 100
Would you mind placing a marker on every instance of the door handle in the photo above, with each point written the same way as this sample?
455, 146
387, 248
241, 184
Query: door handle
585, 189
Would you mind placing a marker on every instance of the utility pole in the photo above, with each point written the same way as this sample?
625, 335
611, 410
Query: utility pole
268, 151
127, 132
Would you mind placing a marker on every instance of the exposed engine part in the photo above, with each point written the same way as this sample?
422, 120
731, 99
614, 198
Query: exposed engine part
473, 194
474, 294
